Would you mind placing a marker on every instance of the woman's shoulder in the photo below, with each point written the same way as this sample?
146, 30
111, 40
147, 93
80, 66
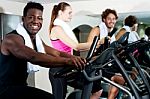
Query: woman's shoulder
56, 31
57, 27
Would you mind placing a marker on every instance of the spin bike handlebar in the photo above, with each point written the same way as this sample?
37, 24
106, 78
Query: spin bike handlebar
140, 44
65, 71
89, 56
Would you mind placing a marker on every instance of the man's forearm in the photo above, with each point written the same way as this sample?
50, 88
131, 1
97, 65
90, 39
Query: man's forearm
63, 54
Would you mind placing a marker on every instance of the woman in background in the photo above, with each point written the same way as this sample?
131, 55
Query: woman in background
61, 35
63, 39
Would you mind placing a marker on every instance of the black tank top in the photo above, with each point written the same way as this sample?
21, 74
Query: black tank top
13, 71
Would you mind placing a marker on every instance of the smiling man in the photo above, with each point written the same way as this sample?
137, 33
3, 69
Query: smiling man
23, 48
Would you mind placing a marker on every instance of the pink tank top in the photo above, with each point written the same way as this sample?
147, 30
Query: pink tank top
59, 45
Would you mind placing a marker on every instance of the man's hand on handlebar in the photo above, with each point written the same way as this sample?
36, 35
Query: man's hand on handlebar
77, 61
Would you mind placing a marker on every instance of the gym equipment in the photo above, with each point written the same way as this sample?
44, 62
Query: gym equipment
120, 58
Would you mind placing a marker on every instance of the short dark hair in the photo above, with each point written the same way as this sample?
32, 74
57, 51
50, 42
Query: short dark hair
130, 20
32, 5
147, 31
107, 12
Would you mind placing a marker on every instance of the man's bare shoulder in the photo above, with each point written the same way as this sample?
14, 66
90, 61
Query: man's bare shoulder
95, 31
11, 38
96, 27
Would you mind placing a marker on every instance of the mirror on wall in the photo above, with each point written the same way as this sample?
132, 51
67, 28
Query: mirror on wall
81, 33
8, 22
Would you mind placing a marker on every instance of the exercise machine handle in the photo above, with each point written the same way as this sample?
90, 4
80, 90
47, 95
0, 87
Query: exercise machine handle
92, 76
92, 48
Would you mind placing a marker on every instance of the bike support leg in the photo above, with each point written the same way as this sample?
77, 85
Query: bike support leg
87, 89
126, 77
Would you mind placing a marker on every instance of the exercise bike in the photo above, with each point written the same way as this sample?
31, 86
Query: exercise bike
93, 72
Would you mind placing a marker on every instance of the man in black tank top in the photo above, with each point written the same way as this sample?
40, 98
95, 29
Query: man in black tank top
14, 55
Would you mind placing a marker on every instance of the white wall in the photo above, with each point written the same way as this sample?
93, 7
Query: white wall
97, 6
83, 8
80, 9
